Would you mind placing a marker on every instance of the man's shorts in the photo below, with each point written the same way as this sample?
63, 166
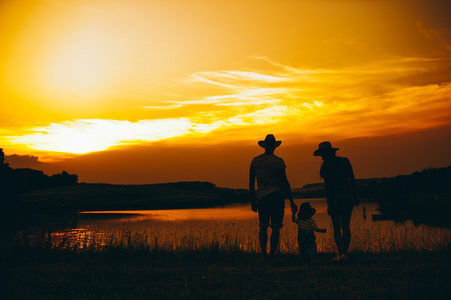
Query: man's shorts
271, 210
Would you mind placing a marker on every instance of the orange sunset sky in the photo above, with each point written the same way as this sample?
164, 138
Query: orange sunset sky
144, 91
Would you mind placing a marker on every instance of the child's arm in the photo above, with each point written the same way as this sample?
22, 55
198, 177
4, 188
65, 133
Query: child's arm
321, 230
293, 216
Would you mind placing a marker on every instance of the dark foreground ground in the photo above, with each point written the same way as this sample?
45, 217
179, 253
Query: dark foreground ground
40, 273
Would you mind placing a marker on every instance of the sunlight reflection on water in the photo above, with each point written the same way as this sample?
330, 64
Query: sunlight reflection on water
239, 212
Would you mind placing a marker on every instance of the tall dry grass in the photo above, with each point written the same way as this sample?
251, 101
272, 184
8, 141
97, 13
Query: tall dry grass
241, 235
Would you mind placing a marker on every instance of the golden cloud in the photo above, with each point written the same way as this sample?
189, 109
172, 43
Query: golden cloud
363, 100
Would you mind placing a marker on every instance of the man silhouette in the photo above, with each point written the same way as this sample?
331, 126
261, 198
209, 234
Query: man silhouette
269, 199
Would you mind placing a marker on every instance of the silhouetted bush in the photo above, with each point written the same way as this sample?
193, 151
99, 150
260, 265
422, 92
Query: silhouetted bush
426, 193
63, 179
9, 192
29, 179
14, 182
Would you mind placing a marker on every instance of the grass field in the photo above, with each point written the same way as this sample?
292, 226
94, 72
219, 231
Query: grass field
229, 235
130, 273
202, 260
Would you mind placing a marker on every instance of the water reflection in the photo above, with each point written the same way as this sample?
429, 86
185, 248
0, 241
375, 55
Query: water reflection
232, 212
229, 212
230, 227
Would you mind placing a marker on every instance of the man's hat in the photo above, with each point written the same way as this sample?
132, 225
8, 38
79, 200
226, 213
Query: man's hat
269, 142
324, 147
306, 211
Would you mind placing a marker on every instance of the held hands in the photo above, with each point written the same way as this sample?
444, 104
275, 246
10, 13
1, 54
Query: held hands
294, 208
254, 206
356, 201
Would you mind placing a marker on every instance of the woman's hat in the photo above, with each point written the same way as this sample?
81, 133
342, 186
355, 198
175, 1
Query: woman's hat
269, 142
324, 147
306, 211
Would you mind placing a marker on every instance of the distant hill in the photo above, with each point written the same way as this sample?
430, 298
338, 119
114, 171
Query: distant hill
85, 196
421, 194
32, 190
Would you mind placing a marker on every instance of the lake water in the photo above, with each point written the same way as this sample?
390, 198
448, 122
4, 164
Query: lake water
361, 215
228, 227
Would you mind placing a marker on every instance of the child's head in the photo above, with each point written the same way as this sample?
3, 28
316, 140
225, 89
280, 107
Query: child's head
305, 211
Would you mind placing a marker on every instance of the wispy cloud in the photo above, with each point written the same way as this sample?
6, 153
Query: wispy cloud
234, 77
254, 96
263, 116
369, 99
440, 37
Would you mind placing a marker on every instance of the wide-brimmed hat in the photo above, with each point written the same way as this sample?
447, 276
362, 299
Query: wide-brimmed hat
324, 147
306, 211
269, 142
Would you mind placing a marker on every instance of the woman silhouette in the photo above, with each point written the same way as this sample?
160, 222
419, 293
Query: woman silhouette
340, 193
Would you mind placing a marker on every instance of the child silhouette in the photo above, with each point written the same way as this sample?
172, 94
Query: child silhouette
306, 227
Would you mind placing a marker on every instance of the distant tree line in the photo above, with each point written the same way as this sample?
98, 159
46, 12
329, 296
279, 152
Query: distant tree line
425, 194
421, 194
14, 182
29, 179
366, 189
188, 185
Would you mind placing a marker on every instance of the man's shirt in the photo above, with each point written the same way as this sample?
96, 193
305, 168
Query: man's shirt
268, 170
